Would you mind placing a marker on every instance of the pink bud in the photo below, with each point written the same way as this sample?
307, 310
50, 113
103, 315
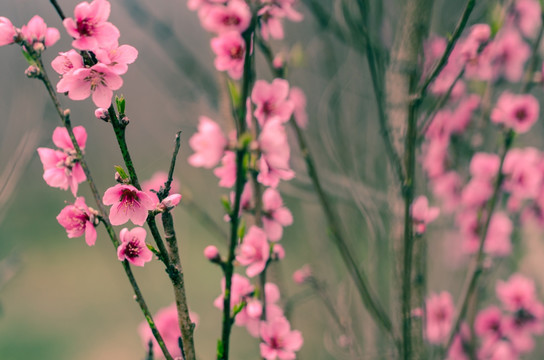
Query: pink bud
102, 114
211, 253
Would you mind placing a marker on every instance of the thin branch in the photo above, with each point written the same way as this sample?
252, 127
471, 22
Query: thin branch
449, 48
65, 118
58, 9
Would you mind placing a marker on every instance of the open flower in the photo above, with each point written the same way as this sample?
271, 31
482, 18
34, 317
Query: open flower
133, 247
274, 161
230, 50
90, 28
117, 57
61, 167
128, 203
99, 80
518, 112
254, 251
78, 219
209, 144
36, 31
272, 101
279, 342
8, 32
276, 216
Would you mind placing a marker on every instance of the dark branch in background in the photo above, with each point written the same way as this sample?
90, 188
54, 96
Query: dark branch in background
184, 59
58, 9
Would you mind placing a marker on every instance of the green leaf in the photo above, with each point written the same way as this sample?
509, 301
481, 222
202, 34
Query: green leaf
233, 92
120, 102
121, 172
219, 349
226, 204
238, 307
242, 229
29, 59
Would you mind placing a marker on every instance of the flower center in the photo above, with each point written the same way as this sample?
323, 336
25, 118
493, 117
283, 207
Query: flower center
236, 52
521, 115
85, 27
96, 78
133, 249
229, 20
129, 199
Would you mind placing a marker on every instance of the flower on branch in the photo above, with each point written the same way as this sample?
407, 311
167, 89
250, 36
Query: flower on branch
128, 203
79, 219
133, 247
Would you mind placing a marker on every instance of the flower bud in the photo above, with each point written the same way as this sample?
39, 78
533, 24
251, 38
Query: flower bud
102, 114
33, 72
211, 253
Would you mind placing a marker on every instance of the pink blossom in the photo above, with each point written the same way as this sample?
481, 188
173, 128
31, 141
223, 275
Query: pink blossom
524, 172
276, 216
227, 171
102, 114
297, 96
235, 16
461, 116
117, 57
477, 192
61, 167
469, 48
278, 252
254, 251
274, 161
458, 348
241, 288
435, 154
8, 32
128, 203
484, 166
272, 101
167, 323
527, 17
271, 17
439, 316
250, 316
67, 62
36, 31
90, 28
133, 247
518, 292
497, 241
302, 274
279, 342
488, 323
447, 188
422, 214
79, 219
209, 144
504, 57
518, 112
169, 202
230, 48
99, 80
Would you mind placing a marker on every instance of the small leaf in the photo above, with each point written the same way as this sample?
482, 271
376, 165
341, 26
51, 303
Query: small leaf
242, 229
219, 349
121, 172
238, 307
233, 92
29, 59
120, 102
226, 204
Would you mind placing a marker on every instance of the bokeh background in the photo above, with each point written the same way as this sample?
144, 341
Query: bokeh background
61, 300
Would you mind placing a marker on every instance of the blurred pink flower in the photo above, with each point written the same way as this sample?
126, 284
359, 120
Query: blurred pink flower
297, 96
235, 16
128, 203
8, 32
133, 247
439, 310
272, 101
254, 251
274, 161
422, 214
527, 17
78, 219
209, 144
229, 48
276, 216
517, 112
250, 316
167, 323
279, 342
227, 171
240, 289
484, 166
302, 274
90, 28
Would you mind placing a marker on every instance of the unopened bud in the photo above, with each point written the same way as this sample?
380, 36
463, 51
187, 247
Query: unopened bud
102, 114
211, 253
119, 179
278, 252
38, 47
66, 112
125, 120
33, 72
302, 274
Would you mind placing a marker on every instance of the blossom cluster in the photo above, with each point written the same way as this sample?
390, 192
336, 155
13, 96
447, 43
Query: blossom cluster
468, 179
94, 37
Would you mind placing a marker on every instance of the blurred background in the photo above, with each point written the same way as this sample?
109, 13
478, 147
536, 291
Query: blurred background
60, 299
